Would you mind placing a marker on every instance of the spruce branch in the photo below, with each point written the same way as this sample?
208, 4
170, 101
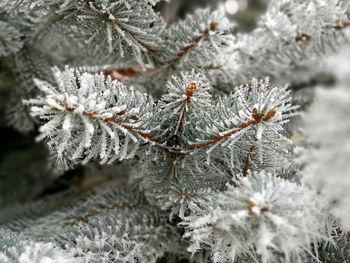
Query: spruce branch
247, 161
180, 108
252, 117
126, 25
98, 117
182, 199
288, 39
255, 120
189, 44
203, 32
194, 42
30, 8
146, 244
104, 209
261, 215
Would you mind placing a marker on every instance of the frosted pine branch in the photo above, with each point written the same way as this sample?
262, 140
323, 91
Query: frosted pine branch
112, 244
201, 36
182, 201
252, 119
183, 105
260, 216
90, 116
201, 41
291, 36
126, 25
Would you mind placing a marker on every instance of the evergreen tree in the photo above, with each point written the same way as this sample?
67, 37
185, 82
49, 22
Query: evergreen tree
173, 135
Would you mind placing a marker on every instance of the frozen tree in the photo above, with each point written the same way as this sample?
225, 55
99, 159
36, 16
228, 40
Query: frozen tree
174, 136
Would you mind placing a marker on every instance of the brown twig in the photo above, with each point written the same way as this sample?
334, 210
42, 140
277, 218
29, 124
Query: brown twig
114, 22
212, 27
115, 121
248, 161
190, 89
93, 213
257, 118
127, 73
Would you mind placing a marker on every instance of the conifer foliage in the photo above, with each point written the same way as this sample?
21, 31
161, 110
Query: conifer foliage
177, 141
